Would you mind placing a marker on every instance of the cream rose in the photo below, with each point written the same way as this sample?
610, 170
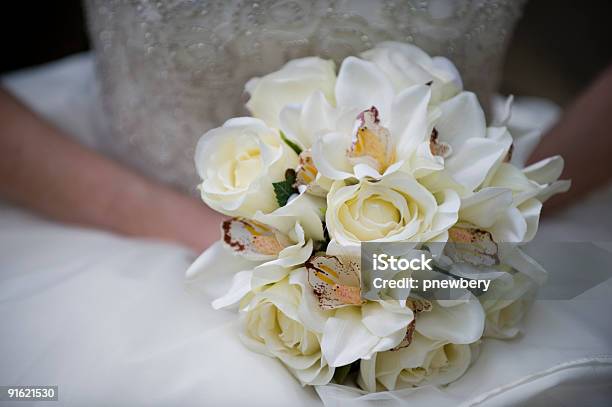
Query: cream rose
238, 163
506, 304
396, 208
293, 83
278, 322
423, 362
505, 317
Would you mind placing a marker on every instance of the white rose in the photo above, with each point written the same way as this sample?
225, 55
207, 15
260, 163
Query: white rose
293, 83
504, 320
396, 208
406, 65
238, 163
506, 304
423, 362
279, 322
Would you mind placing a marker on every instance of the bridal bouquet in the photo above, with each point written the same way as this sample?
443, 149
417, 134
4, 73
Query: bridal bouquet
388, 149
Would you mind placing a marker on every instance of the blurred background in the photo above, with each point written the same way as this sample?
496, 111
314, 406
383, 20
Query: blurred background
559, 46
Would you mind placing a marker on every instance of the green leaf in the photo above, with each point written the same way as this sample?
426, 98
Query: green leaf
284, 189
341, 373
290, 143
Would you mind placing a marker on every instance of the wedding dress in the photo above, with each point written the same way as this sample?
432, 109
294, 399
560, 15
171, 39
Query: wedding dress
111, 321
171, 70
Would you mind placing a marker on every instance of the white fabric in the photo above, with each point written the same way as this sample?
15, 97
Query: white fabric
111, 322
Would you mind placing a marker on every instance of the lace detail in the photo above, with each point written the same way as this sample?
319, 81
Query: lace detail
172, 70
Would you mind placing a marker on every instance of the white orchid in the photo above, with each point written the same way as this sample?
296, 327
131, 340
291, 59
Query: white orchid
435, 351
406, 65
473, 150
374, 131
509, 203
278, 242
359, 332
358, 329
371, 131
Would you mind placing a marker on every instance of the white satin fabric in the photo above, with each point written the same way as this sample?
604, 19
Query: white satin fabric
112, 322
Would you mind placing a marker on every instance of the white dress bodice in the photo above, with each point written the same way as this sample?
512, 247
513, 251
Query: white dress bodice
170, 70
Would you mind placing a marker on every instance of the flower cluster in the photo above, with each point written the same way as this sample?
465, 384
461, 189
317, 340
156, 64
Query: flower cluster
388, 149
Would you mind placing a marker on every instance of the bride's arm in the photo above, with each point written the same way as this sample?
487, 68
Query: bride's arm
43, 170
583, 137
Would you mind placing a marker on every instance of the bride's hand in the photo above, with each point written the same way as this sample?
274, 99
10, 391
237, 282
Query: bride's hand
582, 137
43, 170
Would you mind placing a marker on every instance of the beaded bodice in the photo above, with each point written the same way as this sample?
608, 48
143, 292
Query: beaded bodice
170, 70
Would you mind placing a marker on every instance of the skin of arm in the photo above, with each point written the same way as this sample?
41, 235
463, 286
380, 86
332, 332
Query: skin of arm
43, 170
583, 137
